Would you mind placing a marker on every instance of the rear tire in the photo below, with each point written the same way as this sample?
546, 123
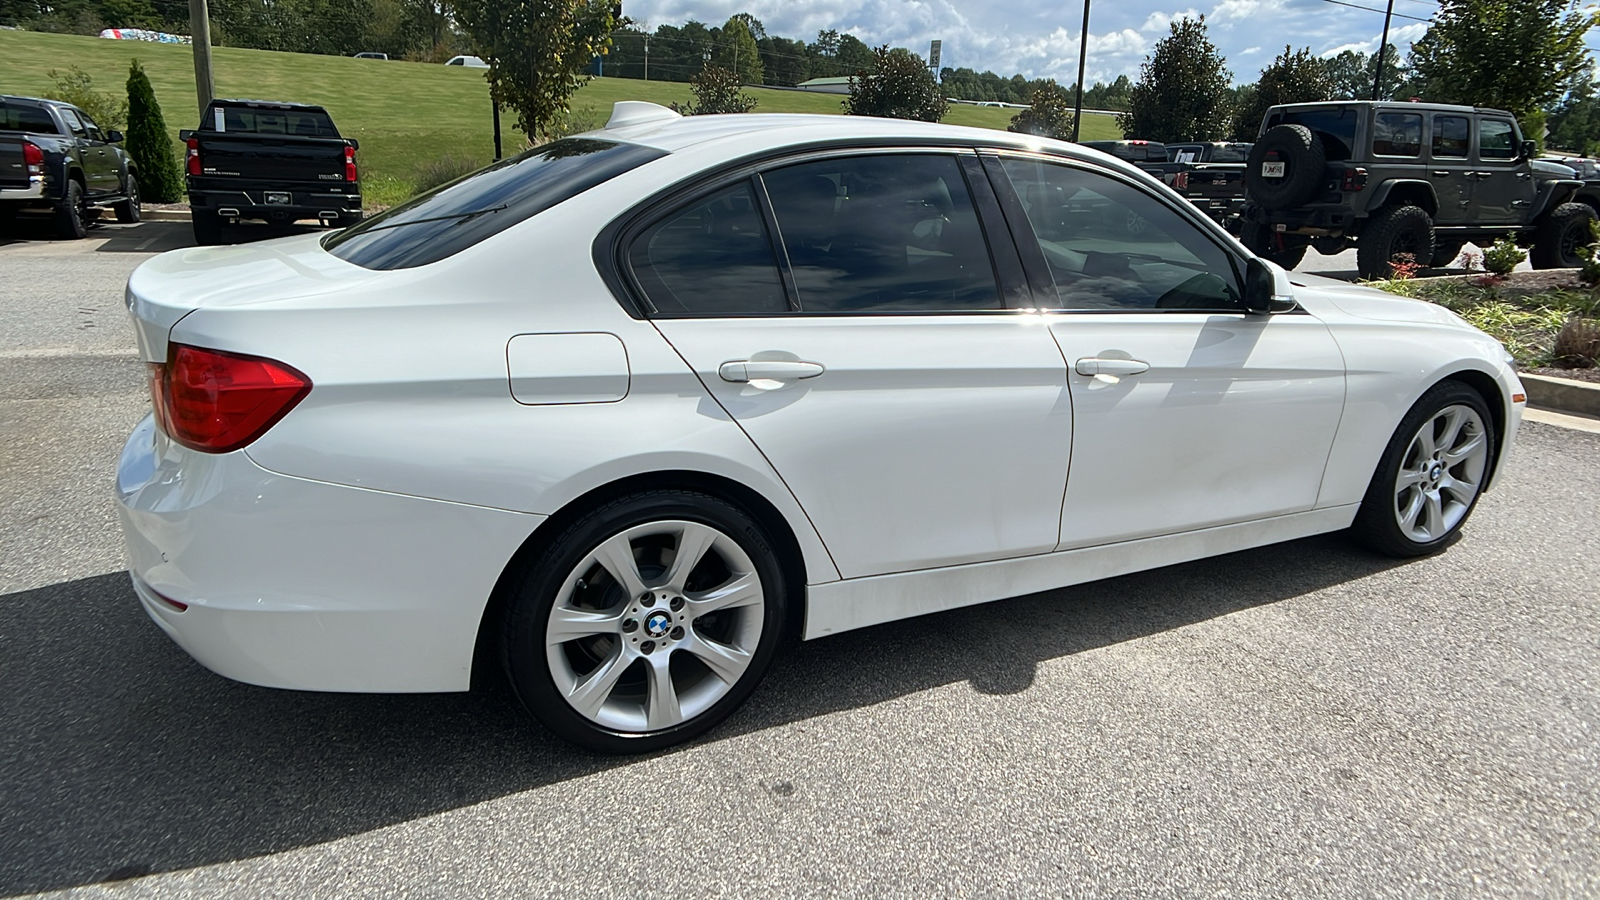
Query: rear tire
71, 214
207, 228
1393, 231
1271, 246
128, 211
1559, 235
613, 646
1431, 474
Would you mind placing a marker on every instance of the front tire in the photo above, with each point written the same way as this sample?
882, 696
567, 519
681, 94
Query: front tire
128, 211
1431, 474
1559, 236
1392, 232
645, 623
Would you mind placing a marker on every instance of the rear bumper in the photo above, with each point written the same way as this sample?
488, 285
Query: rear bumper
342, 206
300, 584
32, 193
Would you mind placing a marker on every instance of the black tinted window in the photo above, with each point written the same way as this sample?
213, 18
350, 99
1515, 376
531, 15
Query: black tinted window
73, 122
1451, 135
891, 232
248, 120
714, 258
1496, 139
459, 214
1112, 246
1397, 134
1336, 127
26, 118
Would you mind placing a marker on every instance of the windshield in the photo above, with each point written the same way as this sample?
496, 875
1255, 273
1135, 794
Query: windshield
459, 214
1336, 127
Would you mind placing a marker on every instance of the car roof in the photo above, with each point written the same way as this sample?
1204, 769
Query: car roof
271, 104
1402, 105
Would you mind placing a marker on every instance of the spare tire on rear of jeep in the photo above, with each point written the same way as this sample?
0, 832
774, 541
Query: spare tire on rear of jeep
1285, 168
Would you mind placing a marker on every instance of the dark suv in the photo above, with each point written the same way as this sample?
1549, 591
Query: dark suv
1405, 179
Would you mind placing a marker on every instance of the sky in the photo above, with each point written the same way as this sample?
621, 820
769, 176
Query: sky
1039, 38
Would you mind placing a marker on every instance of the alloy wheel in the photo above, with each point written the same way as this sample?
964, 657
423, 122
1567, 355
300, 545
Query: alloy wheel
1441, 473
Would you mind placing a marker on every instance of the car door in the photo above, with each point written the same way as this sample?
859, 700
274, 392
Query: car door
1450, 168
1503, 188
99, 166
1188, 412
918, 421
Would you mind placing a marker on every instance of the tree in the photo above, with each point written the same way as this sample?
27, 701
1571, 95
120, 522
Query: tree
1515, 55
1351, 75
716, 90
1295, 76
1182, 93
1049, 113
76, 86
538, 51
738, 52
148, 142
900, 87
1575, 123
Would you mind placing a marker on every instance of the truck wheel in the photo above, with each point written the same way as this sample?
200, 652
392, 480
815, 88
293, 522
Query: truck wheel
1445, 253
1559, 236
128, 212
207, 228
1270, 246
70, 213
1300, 154
1394, 231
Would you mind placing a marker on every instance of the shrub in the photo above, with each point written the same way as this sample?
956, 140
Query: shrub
446, 168
1589, 272
716, 91
160, 179
1503, 256
573, 121
1049, 114
1578, 343
75, 86
900, 87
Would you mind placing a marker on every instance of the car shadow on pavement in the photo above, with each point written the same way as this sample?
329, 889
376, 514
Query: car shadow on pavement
145, 237
120, 756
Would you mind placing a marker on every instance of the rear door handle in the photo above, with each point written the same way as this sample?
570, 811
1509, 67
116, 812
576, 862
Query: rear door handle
740, 371
1094, 365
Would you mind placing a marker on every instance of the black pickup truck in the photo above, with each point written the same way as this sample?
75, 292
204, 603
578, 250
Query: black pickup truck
1204, 173
272, 162
54, 159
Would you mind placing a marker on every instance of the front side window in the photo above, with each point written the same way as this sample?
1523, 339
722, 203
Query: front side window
1497, 139
74, 124
1110, 246
891, 232
1397, 134
1451, 135
714, 258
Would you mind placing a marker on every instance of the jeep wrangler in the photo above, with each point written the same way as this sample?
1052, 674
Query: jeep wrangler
1405, 182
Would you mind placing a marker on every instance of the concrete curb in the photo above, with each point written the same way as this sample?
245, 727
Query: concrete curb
164, 215
1562, 394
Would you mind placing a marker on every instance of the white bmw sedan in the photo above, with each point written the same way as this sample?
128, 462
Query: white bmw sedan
620, 414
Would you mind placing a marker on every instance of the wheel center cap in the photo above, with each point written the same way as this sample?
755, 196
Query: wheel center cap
657, 624
1435, 472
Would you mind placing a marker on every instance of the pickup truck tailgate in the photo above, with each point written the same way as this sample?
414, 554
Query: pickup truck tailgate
13, 171
278, 159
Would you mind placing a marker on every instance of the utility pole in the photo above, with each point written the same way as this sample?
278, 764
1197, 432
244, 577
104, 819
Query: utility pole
496, 127
1383, 50
647, 57
1083, 57
200, 39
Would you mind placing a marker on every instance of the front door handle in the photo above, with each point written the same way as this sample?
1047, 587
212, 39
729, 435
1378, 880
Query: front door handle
1094, 365
740, 371
1437, 173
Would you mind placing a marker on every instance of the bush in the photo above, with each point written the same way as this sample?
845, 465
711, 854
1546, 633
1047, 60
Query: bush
1578, 343
1589, 272
1049, 114
445, 169
901, 87
160, 179
1503, 256
716, 91
75, 86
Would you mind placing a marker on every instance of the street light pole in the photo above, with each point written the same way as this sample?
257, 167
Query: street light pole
1383, 50
1083, 57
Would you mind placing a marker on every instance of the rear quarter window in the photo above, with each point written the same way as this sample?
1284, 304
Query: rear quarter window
461, 213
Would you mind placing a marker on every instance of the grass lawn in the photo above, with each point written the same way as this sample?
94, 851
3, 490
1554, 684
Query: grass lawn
404, 114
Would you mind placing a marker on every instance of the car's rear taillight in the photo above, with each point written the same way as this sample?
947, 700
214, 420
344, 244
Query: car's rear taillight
193, 160
350, 164
1354, 179
1181, 181
32, 158
215, 402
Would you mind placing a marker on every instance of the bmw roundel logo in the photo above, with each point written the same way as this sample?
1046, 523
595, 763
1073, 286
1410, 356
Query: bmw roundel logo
657, 624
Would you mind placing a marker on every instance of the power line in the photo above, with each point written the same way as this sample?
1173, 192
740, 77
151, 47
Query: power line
1378, 11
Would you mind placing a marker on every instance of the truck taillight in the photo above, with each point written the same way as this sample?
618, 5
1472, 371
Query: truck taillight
33, 158
1354, 179
214, 402
1181, 181
350, 164
194, 156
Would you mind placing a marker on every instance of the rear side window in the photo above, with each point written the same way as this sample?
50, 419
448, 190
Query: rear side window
254, 120
26, 118
1397, 134
714, 258
1451, 134
460, 213
1497, 139
1336, 127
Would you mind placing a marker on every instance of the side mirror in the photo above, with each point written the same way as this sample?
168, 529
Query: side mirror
1528, 150
114, 137
354, 144
1267, 289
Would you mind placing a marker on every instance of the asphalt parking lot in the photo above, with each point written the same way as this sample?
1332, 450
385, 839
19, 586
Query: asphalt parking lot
1303, 720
